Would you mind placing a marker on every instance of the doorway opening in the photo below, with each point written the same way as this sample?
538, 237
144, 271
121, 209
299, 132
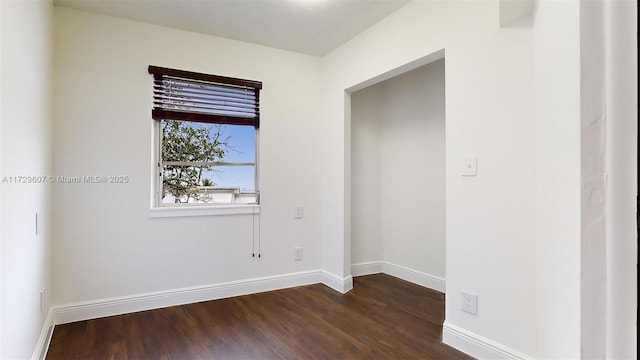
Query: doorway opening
397, 162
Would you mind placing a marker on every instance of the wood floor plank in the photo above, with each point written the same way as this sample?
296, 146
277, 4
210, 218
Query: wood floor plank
381, 318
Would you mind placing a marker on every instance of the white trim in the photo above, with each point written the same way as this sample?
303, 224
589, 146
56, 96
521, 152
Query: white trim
341, 285
417, 277
173, 211
85, 310
427, 59
452, 335
476, 345
127, 304
366, 268
44, 340
414, 276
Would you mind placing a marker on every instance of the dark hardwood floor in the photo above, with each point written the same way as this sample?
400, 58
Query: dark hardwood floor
381, 318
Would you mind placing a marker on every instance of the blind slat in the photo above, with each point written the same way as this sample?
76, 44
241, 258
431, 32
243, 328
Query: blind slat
162, 114
180, 100
203, 84
244, 94
203, 108
229, 111
188, 96
204, 96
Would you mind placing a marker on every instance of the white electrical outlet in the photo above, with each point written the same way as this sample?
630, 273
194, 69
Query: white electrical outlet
297, 254
469, 303
298, 212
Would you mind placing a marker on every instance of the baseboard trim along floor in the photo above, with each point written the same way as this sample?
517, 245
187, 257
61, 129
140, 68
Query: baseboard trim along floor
477, 346
454, 336
127, 304
45, 338
417, 277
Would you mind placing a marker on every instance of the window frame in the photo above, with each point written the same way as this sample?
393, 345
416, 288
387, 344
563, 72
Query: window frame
160, 209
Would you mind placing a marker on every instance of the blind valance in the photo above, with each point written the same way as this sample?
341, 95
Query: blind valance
190, 96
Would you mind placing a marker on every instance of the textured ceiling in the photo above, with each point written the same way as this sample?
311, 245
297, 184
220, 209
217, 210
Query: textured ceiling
312, 27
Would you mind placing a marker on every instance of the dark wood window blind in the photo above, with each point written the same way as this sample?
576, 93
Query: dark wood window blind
190, 96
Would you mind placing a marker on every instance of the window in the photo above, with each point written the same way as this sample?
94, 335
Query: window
207, 138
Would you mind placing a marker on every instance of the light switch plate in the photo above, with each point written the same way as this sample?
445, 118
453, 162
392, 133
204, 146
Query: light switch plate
470, 165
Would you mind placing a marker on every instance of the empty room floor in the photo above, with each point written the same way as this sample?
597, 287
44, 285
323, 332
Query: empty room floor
383, 317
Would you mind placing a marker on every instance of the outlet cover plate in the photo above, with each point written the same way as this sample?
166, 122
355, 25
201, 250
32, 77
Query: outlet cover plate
469, 303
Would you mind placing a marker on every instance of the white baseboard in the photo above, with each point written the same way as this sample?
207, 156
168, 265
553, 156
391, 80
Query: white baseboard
457, 337
63, 314
477, 346
414, 276
417, 277
366, 268
341, 285
42, 346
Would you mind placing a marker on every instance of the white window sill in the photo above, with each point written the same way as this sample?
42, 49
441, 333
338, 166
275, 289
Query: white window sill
174, 211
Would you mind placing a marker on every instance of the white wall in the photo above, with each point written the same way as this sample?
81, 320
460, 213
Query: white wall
516, 99
411, 33
413, 159
490, 219
593, 188
366, 145
512, 99
621, 71
106, 244
1, 172
25, 148
586, 55
398, 171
